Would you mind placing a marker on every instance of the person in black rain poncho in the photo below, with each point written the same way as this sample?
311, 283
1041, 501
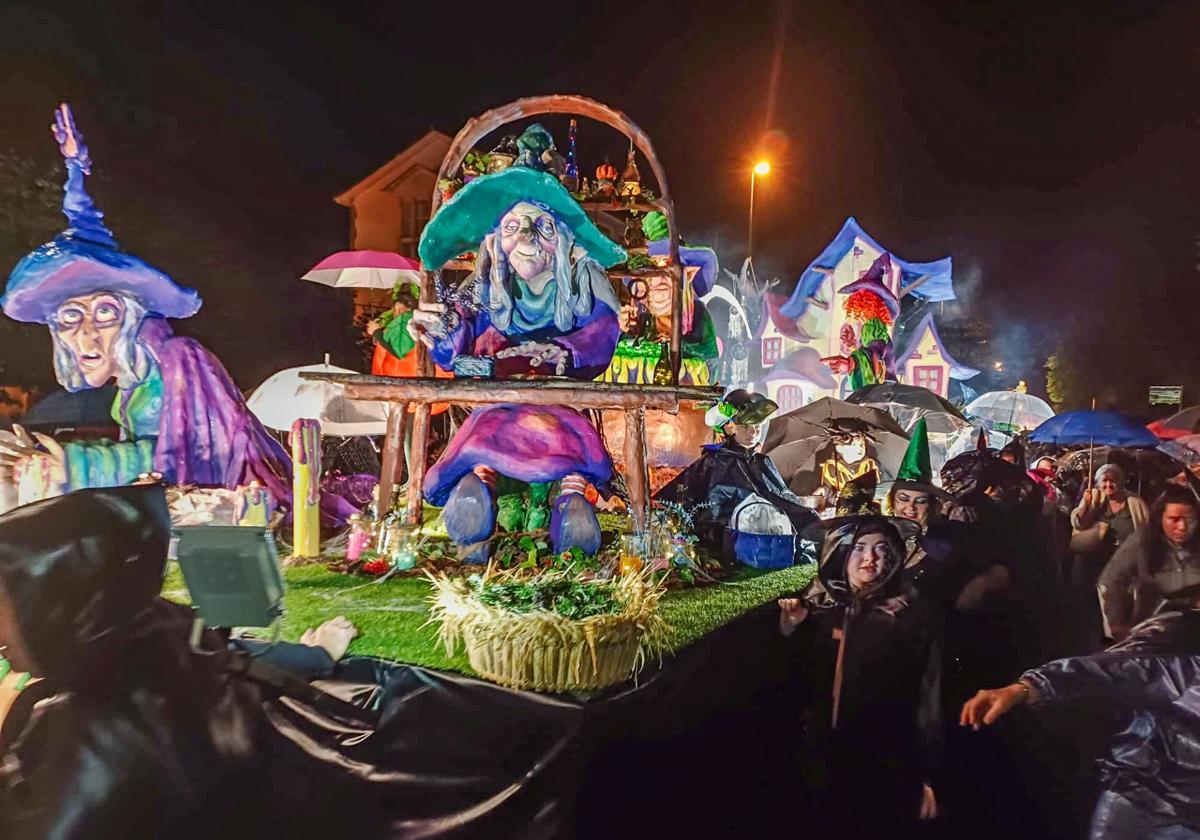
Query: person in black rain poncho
730, 471
869, 649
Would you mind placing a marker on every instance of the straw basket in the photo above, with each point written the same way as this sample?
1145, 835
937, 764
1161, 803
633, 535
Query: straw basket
542, 650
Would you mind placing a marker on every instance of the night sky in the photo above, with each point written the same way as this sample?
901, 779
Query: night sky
1052, 149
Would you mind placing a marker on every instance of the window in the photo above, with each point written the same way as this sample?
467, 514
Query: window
928, 377
772, 349
414, 215
790, 397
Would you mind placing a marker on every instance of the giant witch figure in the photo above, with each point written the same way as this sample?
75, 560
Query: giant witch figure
179, 411
539, 302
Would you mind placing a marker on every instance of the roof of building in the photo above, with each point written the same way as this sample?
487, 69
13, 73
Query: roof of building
913, 336
398, 166
929, 281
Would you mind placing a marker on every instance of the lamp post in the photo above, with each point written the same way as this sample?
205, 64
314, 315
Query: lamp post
760, 168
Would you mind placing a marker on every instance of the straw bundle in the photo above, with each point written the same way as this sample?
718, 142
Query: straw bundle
544, 651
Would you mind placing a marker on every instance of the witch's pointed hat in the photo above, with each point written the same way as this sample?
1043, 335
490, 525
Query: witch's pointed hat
916, 470
982, 443
85, 259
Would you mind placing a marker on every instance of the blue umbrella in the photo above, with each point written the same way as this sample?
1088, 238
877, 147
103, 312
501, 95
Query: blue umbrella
1088, 427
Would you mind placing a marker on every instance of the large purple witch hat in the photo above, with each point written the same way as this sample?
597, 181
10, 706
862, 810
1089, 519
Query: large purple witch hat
85, 258
874, 281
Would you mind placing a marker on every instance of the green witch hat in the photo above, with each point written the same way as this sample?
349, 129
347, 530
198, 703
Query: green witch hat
916, 470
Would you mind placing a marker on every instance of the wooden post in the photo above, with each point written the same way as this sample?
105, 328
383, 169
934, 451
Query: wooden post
306, 489
393, 454
637, 476
417, 464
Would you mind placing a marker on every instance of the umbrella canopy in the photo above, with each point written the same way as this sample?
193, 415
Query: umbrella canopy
1179, 424
1010, 408
365, 270
909, 403
285, 398
795, 439
1091, 427
979, 469
1185, 449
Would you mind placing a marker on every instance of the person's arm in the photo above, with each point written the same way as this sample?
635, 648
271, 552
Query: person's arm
1085, 515
1115, 588
106, 464
592, 344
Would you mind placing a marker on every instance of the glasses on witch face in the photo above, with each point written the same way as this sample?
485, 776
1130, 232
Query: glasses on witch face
542, 225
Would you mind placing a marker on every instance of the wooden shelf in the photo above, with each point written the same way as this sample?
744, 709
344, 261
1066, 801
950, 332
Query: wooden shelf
620, 206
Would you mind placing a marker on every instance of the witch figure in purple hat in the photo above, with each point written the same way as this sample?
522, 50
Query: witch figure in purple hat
179, 412
539, 302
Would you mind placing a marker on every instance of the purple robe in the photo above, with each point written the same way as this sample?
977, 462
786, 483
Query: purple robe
207, 435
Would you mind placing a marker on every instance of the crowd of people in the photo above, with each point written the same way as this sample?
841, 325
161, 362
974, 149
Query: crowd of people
931, 617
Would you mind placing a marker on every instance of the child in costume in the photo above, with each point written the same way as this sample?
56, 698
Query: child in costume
730, 471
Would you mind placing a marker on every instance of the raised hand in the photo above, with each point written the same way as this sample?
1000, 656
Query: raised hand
70, 141
430, 322
792, 614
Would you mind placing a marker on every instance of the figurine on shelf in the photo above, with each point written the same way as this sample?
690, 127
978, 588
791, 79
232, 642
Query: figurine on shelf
254, 506
606, 179
503, 156
539, 301
642, 352
631, 179
180, 413
729, 472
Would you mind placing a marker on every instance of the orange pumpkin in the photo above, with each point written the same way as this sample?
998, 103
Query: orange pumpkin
606, 172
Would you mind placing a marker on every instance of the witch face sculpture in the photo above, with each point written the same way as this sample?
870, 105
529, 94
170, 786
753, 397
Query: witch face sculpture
180, 414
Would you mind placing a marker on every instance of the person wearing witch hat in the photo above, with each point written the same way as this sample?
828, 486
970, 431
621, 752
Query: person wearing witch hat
730, 471
179, 412
538, 302
868, 650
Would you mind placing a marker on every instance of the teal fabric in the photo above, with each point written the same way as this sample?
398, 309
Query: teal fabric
474, 211
138, 412
103, 463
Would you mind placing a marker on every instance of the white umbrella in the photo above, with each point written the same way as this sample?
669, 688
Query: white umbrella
365, 270
1010, 408
285, 398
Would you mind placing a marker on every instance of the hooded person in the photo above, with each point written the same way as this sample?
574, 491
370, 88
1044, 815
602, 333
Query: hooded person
180, 413
869, 650
730, 471
538, 302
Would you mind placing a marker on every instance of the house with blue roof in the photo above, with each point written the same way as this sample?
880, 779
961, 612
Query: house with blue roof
809, 324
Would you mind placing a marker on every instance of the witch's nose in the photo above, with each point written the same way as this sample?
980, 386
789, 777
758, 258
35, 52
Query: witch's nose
526, 227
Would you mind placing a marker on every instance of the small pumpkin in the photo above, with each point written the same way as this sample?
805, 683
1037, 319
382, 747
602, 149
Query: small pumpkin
606, 172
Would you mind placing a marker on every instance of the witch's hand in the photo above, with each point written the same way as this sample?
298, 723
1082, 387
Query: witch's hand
37, 473
838, 364
432, 322
540, 354
70, 141
987, 706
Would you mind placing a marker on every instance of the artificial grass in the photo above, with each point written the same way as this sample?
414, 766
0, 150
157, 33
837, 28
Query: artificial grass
391, 615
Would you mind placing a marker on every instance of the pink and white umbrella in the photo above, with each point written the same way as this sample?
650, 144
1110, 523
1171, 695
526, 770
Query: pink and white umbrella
365, 270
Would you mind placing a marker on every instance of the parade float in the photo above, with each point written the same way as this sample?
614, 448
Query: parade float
584, 363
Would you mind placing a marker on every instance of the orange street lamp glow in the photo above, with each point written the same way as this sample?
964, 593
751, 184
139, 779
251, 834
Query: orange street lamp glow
762, 168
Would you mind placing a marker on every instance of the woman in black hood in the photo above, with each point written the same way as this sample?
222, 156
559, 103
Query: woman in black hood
869, 650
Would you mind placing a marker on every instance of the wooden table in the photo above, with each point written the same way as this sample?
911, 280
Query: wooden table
421, 393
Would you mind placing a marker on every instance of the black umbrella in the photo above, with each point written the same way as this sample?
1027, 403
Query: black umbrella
980, 469
799, 439
90, 408
909, 403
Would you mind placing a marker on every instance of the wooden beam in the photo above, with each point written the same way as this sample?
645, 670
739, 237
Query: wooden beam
637, 475
916, 284
529, 391
393, 454
419, 461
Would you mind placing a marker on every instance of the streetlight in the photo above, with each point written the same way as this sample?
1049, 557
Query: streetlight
760, 168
